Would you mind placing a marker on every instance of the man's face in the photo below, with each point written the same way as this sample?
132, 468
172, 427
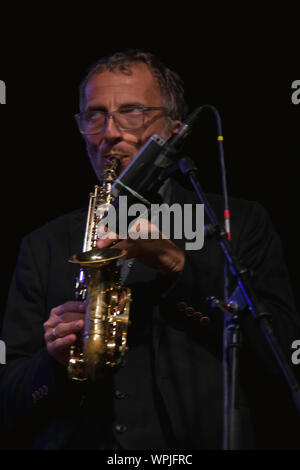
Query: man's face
110, 91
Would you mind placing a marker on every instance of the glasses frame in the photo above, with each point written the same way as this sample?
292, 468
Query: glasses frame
109, 115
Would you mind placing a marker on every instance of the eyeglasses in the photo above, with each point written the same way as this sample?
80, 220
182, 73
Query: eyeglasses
130, 118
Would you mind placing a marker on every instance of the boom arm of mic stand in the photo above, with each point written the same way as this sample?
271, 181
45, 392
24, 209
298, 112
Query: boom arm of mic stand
188, 167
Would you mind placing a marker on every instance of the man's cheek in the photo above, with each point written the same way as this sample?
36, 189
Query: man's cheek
92, 148
95, 159
93, 153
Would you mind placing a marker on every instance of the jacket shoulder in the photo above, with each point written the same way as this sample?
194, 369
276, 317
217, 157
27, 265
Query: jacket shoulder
67, 223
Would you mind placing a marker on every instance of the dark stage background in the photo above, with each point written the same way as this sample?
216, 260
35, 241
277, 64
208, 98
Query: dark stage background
248, 77
45, 169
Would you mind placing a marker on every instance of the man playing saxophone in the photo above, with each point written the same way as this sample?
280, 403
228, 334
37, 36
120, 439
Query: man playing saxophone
167, 393
114, 95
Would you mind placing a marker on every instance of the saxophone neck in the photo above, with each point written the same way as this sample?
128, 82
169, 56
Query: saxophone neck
100, 200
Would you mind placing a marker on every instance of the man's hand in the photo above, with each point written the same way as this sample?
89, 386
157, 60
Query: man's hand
62, 327
160, 253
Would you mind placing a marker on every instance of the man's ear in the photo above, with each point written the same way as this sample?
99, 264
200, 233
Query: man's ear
175, 126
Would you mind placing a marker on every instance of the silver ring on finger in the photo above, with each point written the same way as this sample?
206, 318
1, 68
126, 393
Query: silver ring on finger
53, 334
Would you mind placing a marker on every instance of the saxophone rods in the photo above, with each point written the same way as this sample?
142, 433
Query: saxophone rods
103, 343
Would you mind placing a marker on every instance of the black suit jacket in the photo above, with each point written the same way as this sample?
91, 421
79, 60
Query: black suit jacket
41, 407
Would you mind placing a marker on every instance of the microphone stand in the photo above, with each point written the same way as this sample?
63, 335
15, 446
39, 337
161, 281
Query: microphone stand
232, 341
241, 275
166, 161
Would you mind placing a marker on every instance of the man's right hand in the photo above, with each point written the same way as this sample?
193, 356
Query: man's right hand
62, 327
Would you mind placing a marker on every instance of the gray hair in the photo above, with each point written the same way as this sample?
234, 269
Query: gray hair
169, 82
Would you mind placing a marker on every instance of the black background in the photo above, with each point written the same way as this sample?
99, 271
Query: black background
246, 72
245, 69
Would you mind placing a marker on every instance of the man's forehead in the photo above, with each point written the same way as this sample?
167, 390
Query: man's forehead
139, 82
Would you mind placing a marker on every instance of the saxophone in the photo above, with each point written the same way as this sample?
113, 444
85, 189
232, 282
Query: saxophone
103, 342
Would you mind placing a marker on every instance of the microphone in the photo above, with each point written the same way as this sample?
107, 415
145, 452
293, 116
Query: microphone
135, 177
146, 173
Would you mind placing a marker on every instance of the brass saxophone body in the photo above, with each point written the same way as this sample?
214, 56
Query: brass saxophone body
103, 343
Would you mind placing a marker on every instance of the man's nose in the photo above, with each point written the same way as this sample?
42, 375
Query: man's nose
111, 130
